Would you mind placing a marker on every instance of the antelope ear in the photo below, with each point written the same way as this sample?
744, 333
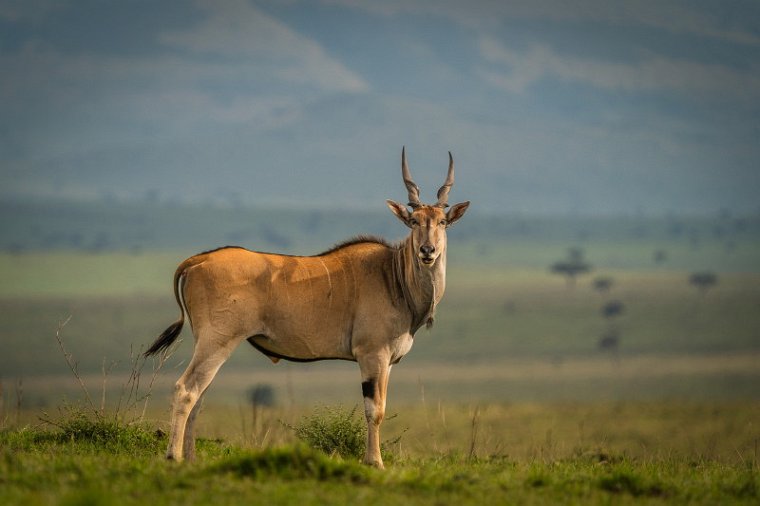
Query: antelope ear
401, 212
456, 212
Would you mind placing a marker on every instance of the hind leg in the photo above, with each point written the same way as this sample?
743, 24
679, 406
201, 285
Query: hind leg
188, 441
211, 351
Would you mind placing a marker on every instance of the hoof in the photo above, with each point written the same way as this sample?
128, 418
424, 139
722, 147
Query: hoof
374, 463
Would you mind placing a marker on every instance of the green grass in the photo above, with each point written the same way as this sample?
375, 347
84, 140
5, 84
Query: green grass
712, 460
507, 400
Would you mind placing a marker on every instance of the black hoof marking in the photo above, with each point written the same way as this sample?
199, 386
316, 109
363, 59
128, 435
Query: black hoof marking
368, 389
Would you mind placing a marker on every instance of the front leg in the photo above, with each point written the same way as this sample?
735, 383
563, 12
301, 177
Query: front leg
375, 372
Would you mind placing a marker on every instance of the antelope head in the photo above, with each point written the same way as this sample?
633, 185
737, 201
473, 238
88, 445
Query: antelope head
428, 222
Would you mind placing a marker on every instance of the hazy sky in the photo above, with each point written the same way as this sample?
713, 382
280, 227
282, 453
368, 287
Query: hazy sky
583, 106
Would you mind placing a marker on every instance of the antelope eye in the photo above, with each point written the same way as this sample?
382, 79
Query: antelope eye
413, 222
443, 223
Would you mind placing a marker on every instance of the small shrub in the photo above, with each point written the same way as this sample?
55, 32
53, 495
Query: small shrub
334, 431
75, 425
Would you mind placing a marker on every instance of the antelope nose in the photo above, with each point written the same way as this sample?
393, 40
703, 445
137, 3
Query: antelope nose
427, 250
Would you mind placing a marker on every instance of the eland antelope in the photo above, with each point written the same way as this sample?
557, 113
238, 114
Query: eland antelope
363, 301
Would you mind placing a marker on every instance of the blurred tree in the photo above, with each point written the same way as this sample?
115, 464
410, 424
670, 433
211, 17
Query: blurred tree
612, 309
703, 281
262, 395
610, 341
602, 284
572, 266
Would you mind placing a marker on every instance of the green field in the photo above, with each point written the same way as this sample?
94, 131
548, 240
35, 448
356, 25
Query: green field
602, 453
504, 331
508, 399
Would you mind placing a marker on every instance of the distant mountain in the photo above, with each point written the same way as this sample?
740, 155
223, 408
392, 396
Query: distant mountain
149, 225
548, 108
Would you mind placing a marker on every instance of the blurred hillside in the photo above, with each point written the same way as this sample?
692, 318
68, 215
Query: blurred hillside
152, 226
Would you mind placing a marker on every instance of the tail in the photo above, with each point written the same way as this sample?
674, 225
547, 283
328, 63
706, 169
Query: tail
170, 335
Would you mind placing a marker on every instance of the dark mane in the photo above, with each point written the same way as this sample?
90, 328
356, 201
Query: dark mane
359, 239
221, 248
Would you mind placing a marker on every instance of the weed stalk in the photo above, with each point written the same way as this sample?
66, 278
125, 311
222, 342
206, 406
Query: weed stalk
474, 425
127, 410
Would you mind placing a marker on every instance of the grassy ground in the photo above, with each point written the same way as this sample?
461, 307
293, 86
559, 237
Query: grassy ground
506, 400
650, 453
719, 431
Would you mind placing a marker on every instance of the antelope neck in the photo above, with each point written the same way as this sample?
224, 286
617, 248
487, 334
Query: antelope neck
422, 286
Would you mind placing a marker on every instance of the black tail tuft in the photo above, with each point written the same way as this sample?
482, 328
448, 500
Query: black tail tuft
165, 339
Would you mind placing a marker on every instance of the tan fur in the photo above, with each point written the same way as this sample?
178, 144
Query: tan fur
361, 302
